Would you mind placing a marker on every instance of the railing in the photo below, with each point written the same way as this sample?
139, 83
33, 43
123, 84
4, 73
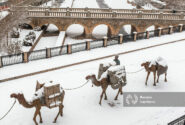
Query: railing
73, 48
179, 121
97, 10
106, 15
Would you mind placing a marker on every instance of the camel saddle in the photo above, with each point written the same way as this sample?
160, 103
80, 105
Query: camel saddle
51, 94
103, 68
117, 76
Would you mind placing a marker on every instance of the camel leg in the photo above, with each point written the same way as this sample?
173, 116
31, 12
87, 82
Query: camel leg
59, 112
40, 117
147, 78
101, 96
154, 78
116, 98
165, 77
158, 78
61, 107
35, 115
105, 96
121, 90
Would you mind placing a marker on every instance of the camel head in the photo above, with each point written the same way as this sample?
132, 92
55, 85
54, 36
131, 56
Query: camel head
90, 77
146, 65
18, 96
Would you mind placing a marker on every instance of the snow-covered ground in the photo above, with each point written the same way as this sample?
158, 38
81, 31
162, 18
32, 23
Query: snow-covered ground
61, 38
23, 33
81, 106
3, 14
85, 3
46, 42
119, 4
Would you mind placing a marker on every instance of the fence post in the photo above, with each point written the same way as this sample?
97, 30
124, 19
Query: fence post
88, 45
120, 38
105, 41
1, 64
69, 47
180, 27
135, 36
170, 29
147, 34
159, 31
25, 57
48, 52
68, 13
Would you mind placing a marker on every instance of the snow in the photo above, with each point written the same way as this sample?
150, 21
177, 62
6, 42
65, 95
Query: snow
113, 63
38, 94
158, 60
119, 4
46, 42
3, 14
104, 75
23, 33
116, 68
75, 30
160, 2
38, 65
85, 3
77, 103
61, 38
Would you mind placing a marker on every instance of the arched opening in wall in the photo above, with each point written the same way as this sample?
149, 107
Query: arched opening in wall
51, 30
75, 30
25, 26
100, 31
127, 29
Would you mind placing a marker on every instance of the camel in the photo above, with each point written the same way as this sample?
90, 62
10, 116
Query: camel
155, 69
104, 83
38, 105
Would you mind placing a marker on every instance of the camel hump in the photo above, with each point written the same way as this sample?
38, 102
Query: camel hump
117, 75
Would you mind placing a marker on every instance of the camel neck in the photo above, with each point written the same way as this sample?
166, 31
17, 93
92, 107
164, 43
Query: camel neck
24, 103
95, 81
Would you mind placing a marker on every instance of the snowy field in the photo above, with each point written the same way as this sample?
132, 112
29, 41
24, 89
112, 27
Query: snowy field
81, 106
119, 4
3, 14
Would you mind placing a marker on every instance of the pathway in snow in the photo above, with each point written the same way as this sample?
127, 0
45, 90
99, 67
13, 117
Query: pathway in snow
38, 65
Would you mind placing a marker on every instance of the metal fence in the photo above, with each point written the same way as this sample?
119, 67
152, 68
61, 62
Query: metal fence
179, 121
62, 50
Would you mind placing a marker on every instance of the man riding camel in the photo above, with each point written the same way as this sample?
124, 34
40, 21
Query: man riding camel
117, 60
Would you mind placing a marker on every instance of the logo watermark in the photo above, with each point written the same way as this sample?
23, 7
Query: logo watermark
154, 99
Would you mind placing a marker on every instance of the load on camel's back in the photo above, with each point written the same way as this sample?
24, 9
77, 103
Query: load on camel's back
48, 94
158, 66
109, 74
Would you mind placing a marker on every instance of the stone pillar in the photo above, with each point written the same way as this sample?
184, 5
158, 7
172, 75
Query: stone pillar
159, 34
161, 15
47, 12
48, 52
114, 14
170, 29
88, 13
105, 41
120, 38
67, 13
135, 36
182, 15
140, 14
25, 57
69, 49
180, 27
147, 34
86, 9
88, 45
1, 64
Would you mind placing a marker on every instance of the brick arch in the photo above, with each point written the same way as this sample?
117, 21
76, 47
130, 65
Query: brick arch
86, 29
111, 29
123, 24
57, 25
